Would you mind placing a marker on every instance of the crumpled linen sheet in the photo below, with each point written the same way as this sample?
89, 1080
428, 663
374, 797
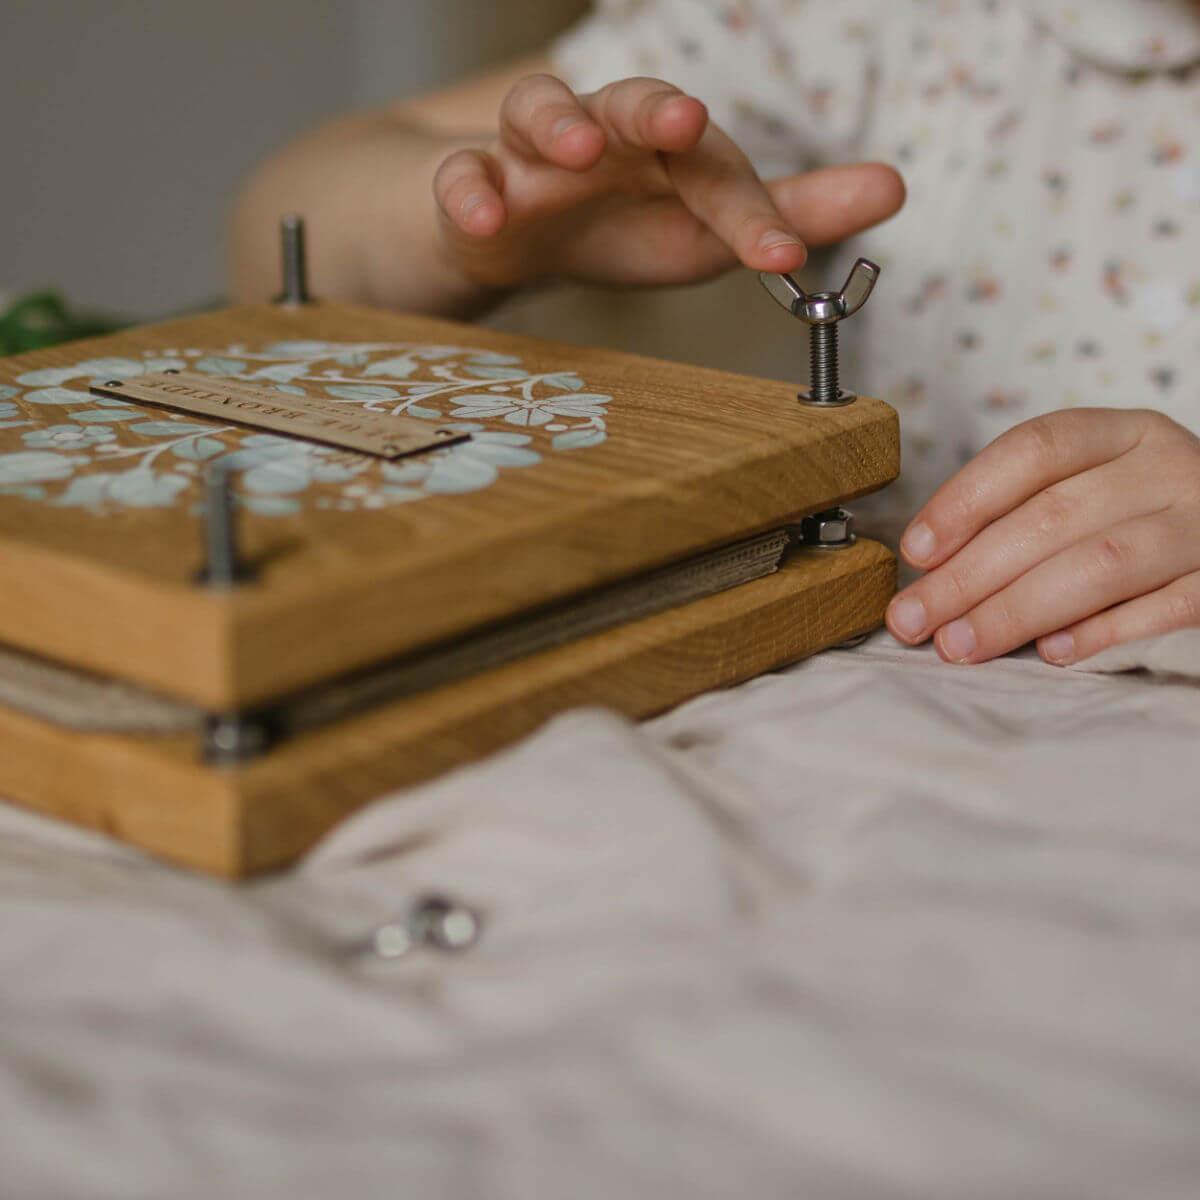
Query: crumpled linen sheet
869, 927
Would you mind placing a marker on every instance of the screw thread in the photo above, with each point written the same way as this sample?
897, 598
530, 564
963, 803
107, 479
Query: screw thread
220, 533
824, 387
295, 268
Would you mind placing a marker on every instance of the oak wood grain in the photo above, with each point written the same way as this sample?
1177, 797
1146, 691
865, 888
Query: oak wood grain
694, 458
154, 792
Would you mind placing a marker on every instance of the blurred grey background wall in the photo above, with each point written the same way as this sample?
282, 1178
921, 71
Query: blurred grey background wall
129, 124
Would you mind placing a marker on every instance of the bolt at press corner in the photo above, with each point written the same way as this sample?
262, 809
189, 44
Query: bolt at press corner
821, 312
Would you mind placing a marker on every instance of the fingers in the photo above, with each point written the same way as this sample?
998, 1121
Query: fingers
718, 184
1176, 606
833, 203
713, 178
658, 242
542, 118
647, 115
1129, 560
1043, 526
1017, 465
467, 189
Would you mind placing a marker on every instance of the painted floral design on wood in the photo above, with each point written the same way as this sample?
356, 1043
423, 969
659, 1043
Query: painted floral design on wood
63, 446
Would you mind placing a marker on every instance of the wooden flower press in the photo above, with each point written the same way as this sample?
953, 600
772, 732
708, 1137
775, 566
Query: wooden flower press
260, 566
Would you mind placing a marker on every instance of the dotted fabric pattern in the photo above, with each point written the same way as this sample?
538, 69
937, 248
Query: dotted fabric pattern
1049, 253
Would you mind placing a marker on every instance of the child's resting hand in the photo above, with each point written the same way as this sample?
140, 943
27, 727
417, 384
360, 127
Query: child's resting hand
634, 184
1080, 529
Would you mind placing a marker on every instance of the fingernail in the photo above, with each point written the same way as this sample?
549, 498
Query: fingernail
958, 640
1059, 647
777, 237
919, 543
472, 202
564, 123
909, 618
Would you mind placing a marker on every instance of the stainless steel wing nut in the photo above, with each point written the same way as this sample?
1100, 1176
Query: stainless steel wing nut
821, 312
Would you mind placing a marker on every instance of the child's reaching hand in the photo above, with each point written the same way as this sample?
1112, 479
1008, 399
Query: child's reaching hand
1080, 529
634, 185
414, 208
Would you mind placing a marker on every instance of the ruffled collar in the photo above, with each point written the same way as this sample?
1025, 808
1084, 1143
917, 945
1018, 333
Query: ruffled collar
1125, 35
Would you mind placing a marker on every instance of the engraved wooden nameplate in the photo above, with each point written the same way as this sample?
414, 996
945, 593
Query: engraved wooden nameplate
310, 418
567, 476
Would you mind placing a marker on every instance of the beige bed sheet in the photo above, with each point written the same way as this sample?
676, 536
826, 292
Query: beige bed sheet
869, 927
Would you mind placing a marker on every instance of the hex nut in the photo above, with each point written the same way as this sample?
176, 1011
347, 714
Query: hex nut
830, 529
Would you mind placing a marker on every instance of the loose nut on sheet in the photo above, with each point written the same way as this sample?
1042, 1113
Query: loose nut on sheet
433, 921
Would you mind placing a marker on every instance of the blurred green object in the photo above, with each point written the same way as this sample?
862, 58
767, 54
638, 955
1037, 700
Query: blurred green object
43, 319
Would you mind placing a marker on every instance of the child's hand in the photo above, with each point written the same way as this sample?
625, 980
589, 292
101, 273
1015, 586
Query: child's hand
1080, 529
634, 185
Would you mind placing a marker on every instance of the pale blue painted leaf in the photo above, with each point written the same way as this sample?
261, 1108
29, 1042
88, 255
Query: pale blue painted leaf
274, 442
291, 389
576, 439
303, 349
144, 489
110, 368
494, 358
458, 473
243, 460
271, 506
366, 392
528, 416
27, 491
105, 416
279, 478
36, 466
49, 376
261, 448
404, 472
58, 395
198, 449
166, 428
566, 408
565, 382
400, 367
109, 402
13, 424
401, 495
220, 366
66, 437
426, 414
85, 492
496, 373
502, 437
496, 409
6, 391
281, 372
322, 470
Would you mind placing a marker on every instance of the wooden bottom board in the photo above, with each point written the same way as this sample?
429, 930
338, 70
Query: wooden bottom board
154, 792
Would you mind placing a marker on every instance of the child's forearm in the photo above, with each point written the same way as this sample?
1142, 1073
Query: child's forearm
364, 186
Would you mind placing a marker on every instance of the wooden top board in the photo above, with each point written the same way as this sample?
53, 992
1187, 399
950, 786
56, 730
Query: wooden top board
583, 466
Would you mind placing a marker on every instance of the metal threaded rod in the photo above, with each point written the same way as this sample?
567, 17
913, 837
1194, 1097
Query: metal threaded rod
220, 537
295, 268
824, 387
